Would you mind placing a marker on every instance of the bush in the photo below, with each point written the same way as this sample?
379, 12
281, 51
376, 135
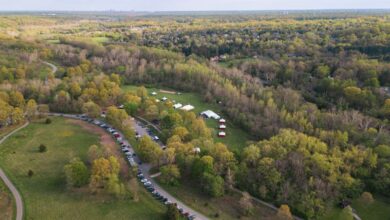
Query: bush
367, 198
42, 148
30, 173
48, 121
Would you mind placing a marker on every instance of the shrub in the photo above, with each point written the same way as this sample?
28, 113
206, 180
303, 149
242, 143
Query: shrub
48, 121
30, 173
42, 148
367, 198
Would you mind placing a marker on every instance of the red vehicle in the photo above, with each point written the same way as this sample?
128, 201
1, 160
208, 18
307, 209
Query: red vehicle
116, 135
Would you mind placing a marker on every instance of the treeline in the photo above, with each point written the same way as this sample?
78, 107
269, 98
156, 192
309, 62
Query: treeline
307, 157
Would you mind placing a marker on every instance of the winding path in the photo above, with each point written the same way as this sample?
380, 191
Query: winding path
52, 66
8, 183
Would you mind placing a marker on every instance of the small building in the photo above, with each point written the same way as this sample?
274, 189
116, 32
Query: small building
222, 127
210, 114
178, 105
154, 93
221, 134
187, 108
222, 121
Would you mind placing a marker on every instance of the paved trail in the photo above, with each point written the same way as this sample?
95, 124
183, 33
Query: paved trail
52, 66
8, 183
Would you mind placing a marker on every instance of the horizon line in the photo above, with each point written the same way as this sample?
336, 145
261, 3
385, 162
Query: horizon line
222, 10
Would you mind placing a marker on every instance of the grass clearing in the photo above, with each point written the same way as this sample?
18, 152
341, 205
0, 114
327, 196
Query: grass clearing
6, 203
100, 39
235, 139
45, 194
378, 210
226, 207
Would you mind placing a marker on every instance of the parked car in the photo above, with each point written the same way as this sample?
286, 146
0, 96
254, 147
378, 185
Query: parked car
148, 183
191, 217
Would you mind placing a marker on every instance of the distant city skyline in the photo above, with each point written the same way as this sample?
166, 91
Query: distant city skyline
187, 5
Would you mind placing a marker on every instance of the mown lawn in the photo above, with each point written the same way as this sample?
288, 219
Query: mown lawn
226, 207
235, 139
6, 203
45, 194
378, 210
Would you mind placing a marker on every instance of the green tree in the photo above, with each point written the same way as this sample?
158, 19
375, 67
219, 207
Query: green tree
16, 99
31, 109
91, 109
172, 212
17, 115
148, 150
76, 173
213, 184
170, 174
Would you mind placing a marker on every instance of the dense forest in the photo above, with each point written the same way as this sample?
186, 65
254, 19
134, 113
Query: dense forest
314, 91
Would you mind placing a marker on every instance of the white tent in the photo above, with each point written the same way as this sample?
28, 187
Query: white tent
210, 114
188, 108
178, 105
222, 127
222, 120
164, 99
221, 134
154, 93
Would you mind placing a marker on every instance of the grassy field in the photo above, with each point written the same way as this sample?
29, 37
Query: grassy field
45, 194
378, 210
226, 207
236, 138
6, 203
100, 39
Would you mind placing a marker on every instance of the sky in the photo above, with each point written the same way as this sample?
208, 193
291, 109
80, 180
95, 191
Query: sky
187, 5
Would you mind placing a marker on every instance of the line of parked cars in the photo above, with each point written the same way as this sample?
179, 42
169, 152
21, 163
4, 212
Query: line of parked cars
130, 155
149, 186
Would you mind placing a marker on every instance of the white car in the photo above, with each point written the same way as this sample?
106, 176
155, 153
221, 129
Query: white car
148, 183
156, 138
144, 180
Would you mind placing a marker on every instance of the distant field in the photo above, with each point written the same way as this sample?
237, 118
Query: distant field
45, 194
100, 39
236, 138
227, 207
